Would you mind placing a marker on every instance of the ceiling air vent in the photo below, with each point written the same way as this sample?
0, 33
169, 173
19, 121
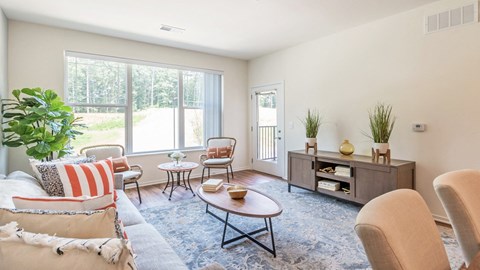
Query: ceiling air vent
448, 19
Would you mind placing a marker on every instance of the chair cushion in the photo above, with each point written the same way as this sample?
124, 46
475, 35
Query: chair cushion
217, 161
219, 152
219, 142
129, 174
120, 164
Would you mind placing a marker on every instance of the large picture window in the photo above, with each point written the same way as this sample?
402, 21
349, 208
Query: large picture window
147, 107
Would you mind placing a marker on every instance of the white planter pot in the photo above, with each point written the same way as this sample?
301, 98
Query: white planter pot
311, 141
382, 147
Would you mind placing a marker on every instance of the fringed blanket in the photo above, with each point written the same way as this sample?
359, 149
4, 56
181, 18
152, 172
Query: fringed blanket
109, 248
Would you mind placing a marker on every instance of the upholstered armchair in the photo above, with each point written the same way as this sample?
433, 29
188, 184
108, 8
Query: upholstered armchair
219, 155
398, 233
459, 192
130, 173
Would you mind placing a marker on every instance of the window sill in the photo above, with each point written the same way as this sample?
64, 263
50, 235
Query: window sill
156, 153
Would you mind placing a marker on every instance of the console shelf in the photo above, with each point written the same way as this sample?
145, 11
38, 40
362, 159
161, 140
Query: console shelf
368, 179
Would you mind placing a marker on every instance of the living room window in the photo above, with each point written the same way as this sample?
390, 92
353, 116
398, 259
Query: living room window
136, 103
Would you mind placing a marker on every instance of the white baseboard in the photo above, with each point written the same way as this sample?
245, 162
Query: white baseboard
194, 175
441, 219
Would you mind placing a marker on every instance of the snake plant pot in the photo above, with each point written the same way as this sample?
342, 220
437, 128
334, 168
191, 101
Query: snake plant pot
311, 141
382, 147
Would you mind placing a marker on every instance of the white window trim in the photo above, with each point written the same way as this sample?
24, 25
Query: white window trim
128, 106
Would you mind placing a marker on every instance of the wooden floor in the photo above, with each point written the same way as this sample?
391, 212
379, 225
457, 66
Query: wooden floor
153, 196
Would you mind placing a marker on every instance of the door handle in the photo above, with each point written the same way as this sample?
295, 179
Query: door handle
278, 138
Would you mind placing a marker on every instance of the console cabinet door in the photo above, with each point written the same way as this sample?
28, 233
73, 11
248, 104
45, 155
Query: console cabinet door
373, 182
301, 171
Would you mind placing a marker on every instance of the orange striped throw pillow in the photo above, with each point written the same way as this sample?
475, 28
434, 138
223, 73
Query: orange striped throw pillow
83, 203
91, 179
219, 152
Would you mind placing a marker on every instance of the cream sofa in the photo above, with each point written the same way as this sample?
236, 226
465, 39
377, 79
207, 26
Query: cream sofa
151, 249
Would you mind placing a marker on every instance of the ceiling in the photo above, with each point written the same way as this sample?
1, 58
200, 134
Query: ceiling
242, 29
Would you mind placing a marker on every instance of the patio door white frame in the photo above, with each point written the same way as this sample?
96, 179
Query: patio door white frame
271, 166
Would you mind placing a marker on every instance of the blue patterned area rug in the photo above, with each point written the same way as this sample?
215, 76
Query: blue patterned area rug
313, 232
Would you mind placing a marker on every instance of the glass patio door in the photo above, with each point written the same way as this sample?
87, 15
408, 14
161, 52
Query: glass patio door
267, 129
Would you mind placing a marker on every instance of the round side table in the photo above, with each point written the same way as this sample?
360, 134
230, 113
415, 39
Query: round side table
181, 168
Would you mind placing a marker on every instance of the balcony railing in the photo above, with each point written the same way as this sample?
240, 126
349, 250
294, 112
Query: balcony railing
267, 144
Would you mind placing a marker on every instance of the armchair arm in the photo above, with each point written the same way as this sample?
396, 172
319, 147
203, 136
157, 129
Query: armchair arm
136, 167
203, 157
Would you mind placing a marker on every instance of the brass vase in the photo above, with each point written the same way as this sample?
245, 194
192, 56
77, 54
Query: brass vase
346, 148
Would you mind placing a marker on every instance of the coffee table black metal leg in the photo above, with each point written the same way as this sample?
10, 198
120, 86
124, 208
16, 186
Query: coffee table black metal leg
248, 235
225, 230
273, 241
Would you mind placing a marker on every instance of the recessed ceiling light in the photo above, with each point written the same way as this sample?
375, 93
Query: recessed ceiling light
170, 28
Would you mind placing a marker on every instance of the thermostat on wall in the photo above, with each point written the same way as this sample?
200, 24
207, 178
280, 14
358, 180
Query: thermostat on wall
419, 127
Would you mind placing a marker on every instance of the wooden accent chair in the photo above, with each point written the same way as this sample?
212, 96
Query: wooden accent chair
104, 151
224, 161
459, 192
398, 233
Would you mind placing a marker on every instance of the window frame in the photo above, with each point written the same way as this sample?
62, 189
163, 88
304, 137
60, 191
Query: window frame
128, 106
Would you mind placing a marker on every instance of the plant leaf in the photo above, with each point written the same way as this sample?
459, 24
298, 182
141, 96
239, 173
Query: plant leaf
43, 148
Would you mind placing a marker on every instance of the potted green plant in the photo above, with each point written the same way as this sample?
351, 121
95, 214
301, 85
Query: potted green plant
381, 126
312, 123
39, 120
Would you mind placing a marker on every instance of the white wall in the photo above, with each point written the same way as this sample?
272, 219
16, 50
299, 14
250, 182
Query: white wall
36, 59
432, 79
3, 82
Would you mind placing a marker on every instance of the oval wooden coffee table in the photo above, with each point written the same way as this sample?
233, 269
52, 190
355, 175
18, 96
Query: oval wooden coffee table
255, 205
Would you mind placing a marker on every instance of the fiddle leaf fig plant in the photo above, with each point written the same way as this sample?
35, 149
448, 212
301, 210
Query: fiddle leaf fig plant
39, 120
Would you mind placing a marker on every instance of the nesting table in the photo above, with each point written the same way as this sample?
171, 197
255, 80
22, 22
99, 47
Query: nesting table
180, 169
255, 204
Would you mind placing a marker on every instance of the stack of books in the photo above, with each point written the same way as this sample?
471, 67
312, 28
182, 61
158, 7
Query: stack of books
330, 185
342, 171
212, 185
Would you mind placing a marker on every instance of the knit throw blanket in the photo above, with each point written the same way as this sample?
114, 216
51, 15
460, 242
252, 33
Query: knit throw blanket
109, 248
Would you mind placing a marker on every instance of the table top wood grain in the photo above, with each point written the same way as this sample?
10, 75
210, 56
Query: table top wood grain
255, 204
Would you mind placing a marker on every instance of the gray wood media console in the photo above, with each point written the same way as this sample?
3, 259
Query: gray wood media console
367, 179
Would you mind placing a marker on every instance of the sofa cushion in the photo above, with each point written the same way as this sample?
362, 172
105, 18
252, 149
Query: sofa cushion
127, 212
86, 224
68, 160
22, 187
152, 251
82, 203
19, 250
91, 179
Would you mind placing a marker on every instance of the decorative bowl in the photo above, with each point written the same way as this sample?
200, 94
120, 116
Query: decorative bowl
237, 192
